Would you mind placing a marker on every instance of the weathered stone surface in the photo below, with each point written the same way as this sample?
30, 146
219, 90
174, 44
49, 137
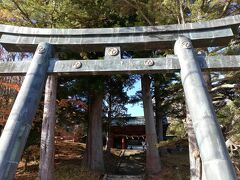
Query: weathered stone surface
210, 33
124, 66
18, 125
214, 154
230, 21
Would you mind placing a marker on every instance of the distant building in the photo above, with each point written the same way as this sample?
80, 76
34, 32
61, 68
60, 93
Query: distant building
128, 133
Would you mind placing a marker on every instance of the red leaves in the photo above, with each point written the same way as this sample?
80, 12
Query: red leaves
11, 85
73, 102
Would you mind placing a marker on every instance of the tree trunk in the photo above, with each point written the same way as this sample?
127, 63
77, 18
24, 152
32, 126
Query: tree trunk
152, 157
26, 162
158, 114
95, 143
108, 128
207, 79
194, 155
46, 167
182, 21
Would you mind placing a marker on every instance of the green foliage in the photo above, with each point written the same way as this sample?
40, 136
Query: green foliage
176, 128
169, 93
115, 88
228, 117
64, 13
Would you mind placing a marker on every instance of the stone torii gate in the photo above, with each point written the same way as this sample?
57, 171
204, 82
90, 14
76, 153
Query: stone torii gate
215, 158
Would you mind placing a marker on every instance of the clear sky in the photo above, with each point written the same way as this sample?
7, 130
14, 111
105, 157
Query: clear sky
137, 109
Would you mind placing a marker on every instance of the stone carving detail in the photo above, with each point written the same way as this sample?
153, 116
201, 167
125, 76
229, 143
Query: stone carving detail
186, 44
41, 49
77, 65
149, 62
112, 51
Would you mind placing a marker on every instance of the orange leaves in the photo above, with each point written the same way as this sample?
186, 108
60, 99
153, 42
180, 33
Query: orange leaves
5, 111
6, 16
11, 85
67, 102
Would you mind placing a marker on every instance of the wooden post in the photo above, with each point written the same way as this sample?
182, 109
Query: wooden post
213, 151
158, 113
47, 152
152, 157
94, 142
19, 123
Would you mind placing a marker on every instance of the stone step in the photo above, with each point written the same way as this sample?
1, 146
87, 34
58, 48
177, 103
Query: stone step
122, 177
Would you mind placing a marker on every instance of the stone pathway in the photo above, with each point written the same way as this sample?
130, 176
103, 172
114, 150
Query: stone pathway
122, 177
131, 163
130, 166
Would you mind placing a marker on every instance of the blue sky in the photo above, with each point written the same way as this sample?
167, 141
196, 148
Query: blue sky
137, 109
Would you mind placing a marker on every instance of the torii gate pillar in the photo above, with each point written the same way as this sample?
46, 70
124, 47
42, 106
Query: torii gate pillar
19, 123
213, 151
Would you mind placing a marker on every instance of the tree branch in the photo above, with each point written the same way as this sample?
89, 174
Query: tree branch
23, 13
225, 8
137, 7
226, 86
202, 4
